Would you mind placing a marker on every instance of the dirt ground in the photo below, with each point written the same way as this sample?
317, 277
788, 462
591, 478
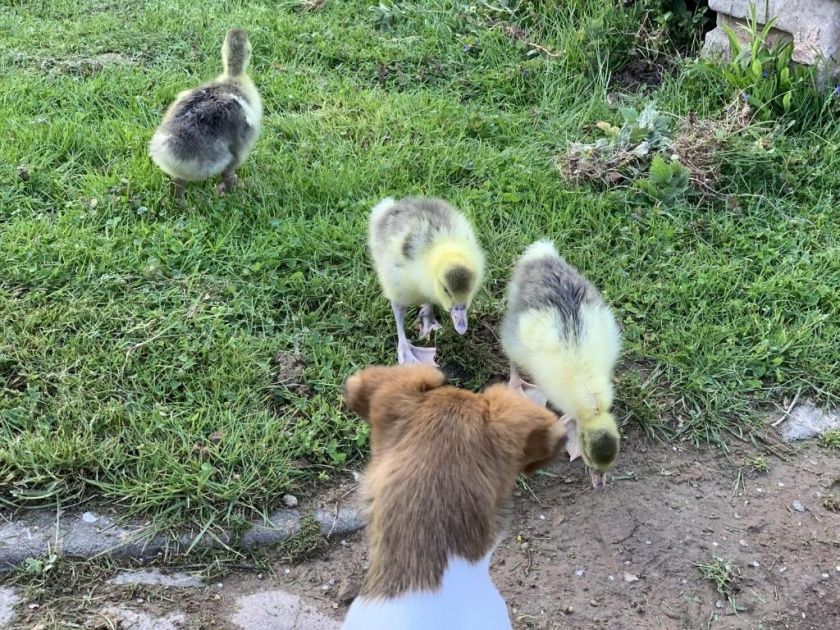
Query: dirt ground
626, 557
573, 553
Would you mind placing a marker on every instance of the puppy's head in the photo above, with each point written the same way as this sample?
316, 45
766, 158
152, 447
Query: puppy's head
443, 466
384, 396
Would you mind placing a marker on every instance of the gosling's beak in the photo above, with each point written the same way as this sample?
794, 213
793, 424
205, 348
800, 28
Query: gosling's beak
599, 479
459, 318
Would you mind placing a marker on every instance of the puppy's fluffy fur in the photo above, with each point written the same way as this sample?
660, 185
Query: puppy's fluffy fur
444, 463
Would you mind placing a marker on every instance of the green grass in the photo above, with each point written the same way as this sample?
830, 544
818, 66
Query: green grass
137, 354
723, 575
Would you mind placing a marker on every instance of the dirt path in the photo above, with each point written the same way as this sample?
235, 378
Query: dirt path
624, 558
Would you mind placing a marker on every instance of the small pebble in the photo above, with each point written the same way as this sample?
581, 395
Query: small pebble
718, 604
287, 571
743, 543
580, 572
542, 517
754, 564
593, 602
798, 506
217, 596
647, 542
568, 610
290, 500
139, 600
824, 576
610, 578
782, 569
629, 577
781, 485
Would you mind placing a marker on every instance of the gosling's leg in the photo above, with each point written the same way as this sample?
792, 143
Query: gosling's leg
428, 322
532, 392
178, 185
407, 353
572, 443
228, 182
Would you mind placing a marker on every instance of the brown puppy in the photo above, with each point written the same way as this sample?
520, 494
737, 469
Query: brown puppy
444, 463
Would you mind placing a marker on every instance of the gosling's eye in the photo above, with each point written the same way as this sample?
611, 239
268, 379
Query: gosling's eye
448, 294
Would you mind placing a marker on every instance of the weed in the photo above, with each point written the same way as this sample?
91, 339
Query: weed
303, 544
762, 76
723, 575
759, 464
831, 439
621, 153
666, 181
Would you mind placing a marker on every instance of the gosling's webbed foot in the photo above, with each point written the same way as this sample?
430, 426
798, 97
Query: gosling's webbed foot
229, 182
428, 321
407, 353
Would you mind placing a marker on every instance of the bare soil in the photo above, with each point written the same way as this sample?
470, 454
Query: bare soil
626, 557
571, 550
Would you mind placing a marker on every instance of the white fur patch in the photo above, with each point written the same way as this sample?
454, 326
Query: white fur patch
466, 600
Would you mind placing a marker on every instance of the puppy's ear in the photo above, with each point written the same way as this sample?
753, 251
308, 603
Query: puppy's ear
543, 445
361, 388
533, 432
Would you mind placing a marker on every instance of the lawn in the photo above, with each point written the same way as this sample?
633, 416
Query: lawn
186, 362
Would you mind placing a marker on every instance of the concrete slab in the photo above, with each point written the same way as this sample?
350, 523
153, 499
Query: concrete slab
154, 577
814, 26
279, 610
127, 619
9, 598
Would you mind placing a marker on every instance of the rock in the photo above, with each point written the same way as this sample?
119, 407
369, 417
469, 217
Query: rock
593, 602
290, 500
154, 577
813, 25
629, 577
797, 505
349, 590
346, 521
89, 517
806, 421
8, 600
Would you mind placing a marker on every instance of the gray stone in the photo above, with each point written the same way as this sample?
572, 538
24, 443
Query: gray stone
279, 610
154, 577
814, 26
797, 505
347, 520
280, 526
8, 600
806, 421
92, 534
